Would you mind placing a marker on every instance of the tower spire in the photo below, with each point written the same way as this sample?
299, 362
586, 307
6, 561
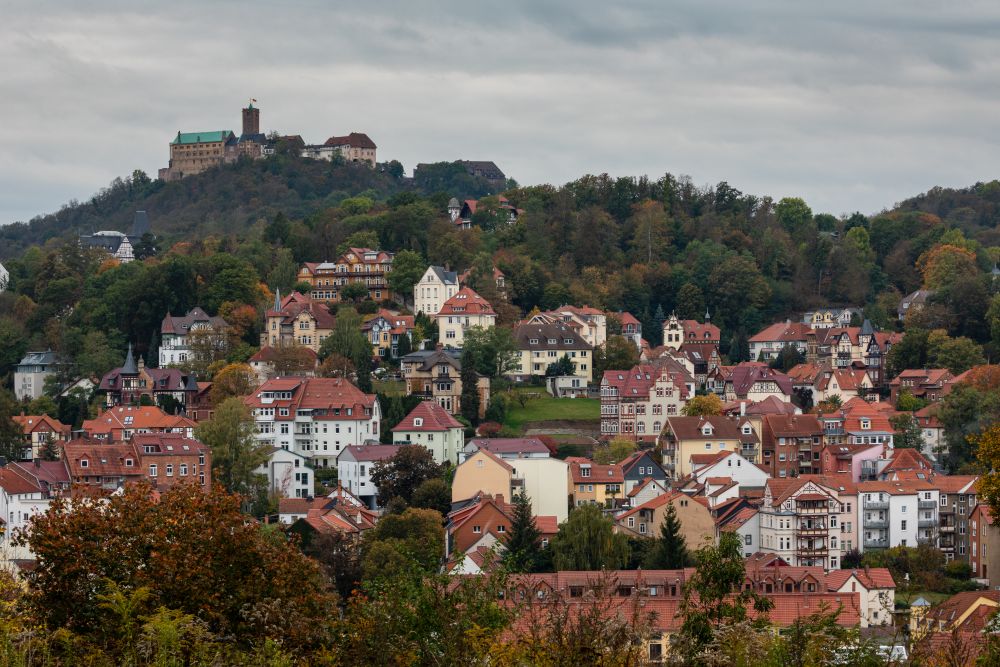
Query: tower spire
277, 298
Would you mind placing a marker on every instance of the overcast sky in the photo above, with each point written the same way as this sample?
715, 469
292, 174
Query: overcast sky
851, 105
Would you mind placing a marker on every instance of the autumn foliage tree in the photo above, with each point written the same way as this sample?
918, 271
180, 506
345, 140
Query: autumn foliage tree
193, 552
707, 405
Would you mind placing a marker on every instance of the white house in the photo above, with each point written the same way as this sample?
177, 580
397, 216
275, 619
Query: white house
315, 417
645, 491
746, 524
543, 481
464, 310
175, 345
876, 588
30, 374
288, 474
354, 469
436, 286
897, 513
21, 497
735, 466
431, 426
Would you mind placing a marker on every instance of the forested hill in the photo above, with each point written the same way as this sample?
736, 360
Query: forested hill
231, 199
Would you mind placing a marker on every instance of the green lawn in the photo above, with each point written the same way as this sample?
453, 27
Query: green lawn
542, 407
390, 387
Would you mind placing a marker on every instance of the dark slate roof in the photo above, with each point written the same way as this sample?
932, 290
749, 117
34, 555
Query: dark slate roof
129, 367
430, 358
446, 277
46, 358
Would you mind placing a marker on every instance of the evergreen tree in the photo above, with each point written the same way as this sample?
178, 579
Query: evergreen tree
524, 545
659, 315
470, 392
49, 450
404, 347
670, 551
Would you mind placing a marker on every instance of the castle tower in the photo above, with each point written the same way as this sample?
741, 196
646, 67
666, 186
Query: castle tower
251, 119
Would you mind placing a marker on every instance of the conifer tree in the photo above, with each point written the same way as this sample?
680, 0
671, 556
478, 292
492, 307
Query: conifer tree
49, 451
670, 551
470, 392
524, 545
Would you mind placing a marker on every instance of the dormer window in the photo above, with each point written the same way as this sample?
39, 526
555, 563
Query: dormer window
866, 424
84, 463
418, 421
584, 471
706, 429
552, 341
533, 341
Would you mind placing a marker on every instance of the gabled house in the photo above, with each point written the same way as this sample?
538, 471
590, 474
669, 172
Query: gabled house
641, 466
685, 437
127, 384
594, 483
384, 332
122, 423
354, 469
768, 343
436, 286
172, 458
437, 374
464, 310
39, 430
288, 473
589, 323
929, 384
297, 320
645, 520
754, 381
177, 334
635, 403
432, 427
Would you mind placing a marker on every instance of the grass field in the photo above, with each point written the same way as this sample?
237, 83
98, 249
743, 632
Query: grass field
389, 387
543, 407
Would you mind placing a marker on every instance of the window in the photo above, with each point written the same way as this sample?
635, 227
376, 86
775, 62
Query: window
152, 470
642, 528
184, 469
902, 525
170, 470
477, 529
501, 529
748, 539
84, 463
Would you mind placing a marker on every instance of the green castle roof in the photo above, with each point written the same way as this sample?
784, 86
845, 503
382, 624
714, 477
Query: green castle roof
201, 137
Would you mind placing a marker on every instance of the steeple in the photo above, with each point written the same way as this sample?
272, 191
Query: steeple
129, 367
277, 298
708, 318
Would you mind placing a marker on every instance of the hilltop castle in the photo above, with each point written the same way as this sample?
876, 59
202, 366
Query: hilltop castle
194, 152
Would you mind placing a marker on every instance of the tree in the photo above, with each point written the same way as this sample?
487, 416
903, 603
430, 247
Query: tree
523, 542
617, 354
987, 447
192, 551
236, 453
293, 359
908, 434
433, 494
907, 402
956, 354
564, 366
398, 542
670, 551
615, 451
234, 380
943, 264
348, 341
697, 406
714, 597
355, 292
49, 450
788, 358
587, 541
408, 268
494, 350
399, 476
470, 389
12, 443
690, 302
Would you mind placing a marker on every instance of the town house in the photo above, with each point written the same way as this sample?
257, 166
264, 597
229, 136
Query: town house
296, 320
437, 375
806, 522
314, 417
432, 427
635, 403
792, 444
39, 430
385, 330
178, 334
542, 344
436, 286
595, 484
354, 469
684, 437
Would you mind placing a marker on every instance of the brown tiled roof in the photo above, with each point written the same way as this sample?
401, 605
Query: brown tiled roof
525, 333
746, 375
793, 426
15, 482
354, 140
510, 445
42, 423
689, 428
599, 474
783, 332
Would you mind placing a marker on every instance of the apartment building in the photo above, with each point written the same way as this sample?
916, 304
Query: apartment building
808, 520
898, 513
315, 417
363, 266
792, 444
686, 437
436, 286
542, 344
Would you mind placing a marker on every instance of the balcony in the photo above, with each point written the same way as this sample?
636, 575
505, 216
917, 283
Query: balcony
876, 504
947, 529
876, 544
815, 531
876, 523
811, 551
927, 504
927, 523
809, 509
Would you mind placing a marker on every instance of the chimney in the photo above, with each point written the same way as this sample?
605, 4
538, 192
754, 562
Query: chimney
38, 462
743, 408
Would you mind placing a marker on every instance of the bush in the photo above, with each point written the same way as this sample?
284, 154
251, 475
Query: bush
957, 569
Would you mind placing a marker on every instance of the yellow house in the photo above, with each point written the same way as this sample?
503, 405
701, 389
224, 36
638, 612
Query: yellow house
684, 437
595, 484
542, 344
697, 524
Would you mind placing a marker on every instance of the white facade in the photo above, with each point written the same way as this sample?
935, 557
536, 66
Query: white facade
434, 288
802, 530
17, 510
354, 474
900, 517
4, 278
288, 474
544, 482
735, 466
444, 445
876, 604
451, 328
749, 533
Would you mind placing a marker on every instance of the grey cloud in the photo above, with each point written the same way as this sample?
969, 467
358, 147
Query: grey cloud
852, 105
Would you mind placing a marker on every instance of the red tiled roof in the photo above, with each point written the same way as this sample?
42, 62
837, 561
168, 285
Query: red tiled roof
433, 418
15, 482
134, 418
42, 423
782, 332
875, 577
745, 375
599, 474
466, 302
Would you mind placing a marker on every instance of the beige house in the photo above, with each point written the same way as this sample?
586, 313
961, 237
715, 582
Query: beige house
684, 437
697, 524
542, 344
542, 480
436, 286
464, 310
590, 323
437, 375
296, 320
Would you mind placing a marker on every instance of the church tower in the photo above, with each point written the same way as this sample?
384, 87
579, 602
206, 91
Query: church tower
251, 119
